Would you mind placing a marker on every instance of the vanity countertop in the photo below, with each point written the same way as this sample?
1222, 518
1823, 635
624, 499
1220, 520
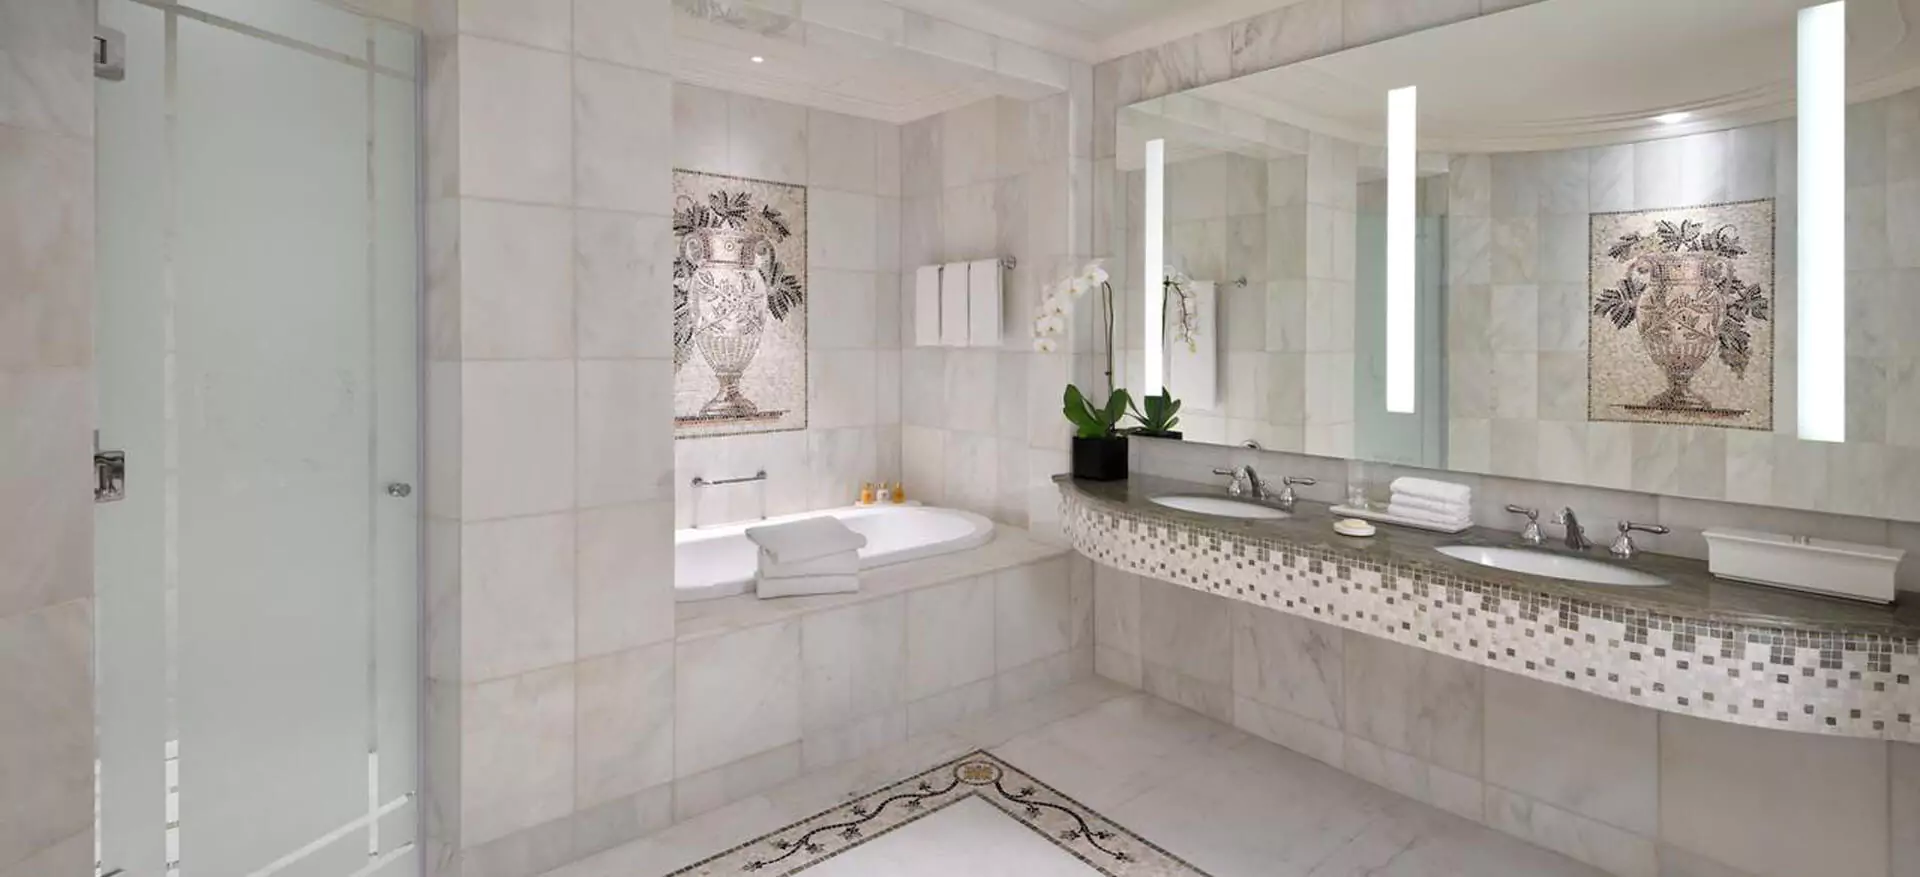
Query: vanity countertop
1694, 594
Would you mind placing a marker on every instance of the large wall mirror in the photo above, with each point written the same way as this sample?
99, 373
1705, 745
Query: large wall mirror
1584, 262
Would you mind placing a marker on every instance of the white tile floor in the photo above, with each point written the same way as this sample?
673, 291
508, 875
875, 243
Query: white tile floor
1229, 803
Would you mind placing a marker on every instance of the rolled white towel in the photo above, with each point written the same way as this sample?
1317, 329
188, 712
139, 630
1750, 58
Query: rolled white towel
804, 586
1445, 491
844, 563
805, 539
1436, 506
1428, 517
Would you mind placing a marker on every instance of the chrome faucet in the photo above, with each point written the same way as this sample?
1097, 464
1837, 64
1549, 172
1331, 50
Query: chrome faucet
1624, 548
1530, 534
1246, 482
1287, 496
1576, 535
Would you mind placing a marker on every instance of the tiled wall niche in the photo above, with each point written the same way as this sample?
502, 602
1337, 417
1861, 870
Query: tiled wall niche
851, 168
1627, 789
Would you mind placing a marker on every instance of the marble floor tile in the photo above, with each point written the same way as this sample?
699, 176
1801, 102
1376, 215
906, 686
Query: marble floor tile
1226, 803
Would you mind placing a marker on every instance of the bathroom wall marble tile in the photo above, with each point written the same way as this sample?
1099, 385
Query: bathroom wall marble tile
767, 140
46, 682
970, 378
49, 83
950, 633
1596, 843
839, 461
950, 707
1415, 702
1211, 699
1314, 740
621, 284
1904, 760
73, 855
1288, 662
633, 33
701, 129
1532, 728
46, 255
843, 230
853, 740
602, 827
973, 473
516, 130
1610, 179
1416, 779
1116, 610
517, 432
842, 152
923, 462
716, 788
516, 595
624, 722
625, 577
516, 292
47, 537
853, 665
625, 451
621, 149
1024, 683
1186, 631
1725, 790
545, 24
841, 388
1033, 613
516, 753
737, 695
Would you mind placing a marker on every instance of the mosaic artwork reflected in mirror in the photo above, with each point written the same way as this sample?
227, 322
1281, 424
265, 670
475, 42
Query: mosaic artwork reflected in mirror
739, 305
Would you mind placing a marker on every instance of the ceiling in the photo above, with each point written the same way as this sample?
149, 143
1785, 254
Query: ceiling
1569, 73
1092, 30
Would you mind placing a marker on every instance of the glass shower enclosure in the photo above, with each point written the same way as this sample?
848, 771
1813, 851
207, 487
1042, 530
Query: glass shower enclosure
258, 362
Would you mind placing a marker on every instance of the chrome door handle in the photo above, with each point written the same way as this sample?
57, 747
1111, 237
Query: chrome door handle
399, 490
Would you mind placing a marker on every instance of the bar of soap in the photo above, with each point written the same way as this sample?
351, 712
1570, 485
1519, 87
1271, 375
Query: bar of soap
1353, 527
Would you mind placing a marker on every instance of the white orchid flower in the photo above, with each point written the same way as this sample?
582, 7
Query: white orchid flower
1045, 345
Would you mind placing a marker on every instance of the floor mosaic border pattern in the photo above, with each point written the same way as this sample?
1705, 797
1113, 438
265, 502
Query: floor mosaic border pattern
1794, 680
1073, 827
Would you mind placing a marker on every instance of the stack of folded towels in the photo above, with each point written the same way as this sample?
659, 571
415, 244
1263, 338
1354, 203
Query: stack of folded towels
808, 556
1440, 503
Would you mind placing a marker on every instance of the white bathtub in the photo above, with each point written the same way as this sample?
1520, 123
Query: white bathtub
714, 562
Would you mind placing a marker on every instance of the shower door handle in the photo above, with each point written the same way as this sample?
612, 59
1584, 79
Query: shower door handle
109, 476
399, 490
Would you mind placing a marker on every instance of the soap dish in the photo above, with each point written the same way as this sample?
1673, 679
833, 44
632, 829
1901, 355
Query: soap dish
1354, 527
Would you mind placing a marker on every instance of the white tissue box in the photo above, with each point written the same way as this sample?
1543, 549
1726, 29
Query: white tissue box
1821, 566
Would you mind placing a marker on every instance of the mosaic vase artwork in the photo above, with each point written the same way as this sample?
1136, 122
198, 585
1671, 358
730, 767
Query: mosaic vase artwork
1681, 316
739, 305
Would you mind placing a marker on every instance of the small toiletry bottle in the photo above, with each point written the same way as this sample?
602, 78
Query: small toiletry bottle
899, 493
883, 495
866, 493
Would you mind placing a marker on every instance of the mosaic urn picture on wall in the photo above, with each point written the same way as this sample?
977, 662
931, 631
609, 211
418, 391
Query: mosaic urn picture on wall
739, 306
1681, 318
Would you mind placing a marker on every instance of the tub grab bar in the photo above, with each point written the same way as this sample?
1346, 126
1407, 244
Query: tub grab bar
757, 476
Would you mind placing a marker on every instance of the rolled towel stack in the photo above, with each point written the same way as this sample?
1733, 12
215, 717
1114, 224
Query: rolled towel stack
808, 556
1441, 503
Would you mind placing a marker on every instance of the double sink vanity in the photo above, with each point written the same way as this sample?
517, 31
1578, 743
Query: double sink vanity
1651, 630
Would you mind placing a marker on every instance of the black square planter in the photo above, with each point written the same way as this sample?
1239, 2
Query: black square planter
1100, 459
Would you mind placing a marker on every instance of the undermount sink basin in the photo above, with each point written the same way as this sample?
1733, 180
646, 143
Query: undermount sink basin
1553, 566
1221, 507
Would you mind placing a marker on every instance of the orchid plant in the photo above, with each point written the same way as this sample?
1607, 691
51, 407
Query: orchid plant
1050, 319
1178, 301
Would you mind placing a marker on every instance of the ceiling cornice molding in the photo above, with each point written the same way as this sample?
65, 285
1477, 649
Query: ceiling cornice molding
978, 16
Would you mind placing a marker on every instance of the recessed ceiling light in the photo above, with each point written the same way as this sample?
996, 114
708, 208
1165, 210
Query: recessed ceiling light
1672, 118
759, 60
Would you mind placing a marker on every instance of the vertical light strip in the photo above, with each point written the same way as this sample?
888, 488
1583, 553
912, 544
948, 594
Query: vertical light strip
1823, 222
1402, 148
1154, 232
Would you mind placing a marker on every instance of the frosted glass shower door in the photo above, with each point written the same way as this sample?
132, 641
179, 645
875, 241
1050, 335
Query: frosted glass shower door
259, 363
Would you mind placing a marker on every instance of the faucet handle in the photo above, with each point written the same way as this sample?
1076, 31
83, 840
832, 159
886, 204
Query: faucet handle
1624, 548
1239, 486
1530, 534
1291, 480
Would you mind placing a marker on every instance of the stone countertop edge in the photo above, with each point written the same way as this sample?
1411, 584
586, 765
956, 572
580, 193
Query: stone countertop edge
1695, 594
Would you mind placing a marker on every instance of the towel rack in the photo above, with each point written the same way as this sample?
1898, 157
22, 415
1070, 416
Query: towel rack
757, 476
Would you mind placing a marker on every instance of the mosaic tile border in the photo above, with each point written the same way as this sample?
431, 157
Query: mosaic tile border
1811, 681
1075, 828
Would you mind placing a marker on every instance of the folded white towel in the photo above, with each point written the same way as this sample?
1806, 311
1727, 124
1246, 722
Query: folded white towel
1436, 506
1427, 517
845, 563
802, 586
1440, 490
805, 539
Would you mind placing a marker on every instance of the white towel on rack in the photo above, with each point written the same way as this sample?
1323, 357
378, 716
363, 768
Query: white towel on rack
983, 303
806, 539
1440, 490
953, 305
1442, 519
1436, 506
